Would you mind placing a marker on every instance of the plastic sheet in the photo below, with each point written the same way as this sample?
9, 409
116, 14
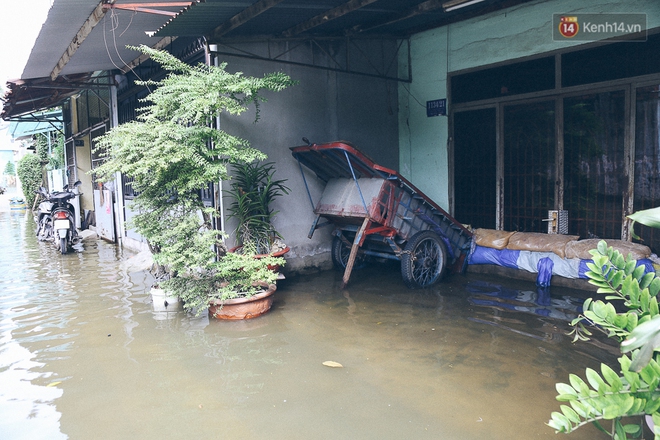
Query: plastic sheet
503, 257
546, 264
544, 268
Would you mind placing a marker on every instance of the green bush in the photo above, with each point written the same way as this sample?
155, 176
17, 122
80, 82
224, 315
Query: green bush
171, 152
29, 171
10, 169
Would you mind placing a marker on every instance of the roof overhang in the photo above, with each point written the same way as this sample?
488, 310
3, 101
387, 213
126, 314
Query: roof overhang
80, 37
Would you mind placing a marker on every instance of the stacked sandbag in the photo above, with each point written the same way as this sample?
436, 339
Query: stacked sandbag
546, 254
492, 238
540, 242
580, 249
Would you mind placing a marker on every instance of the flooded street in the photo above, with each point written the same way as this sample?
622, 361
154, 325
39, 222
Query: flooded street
83, 355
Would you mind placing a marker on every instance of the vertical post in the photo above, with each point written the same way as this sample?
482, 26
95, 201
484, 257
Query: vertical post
119, 184
499, 161
354, 249
630, 113
559, 154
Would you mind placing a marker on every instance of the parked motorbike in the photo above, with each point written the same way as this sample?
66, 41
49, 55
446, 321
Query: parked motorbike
55, 218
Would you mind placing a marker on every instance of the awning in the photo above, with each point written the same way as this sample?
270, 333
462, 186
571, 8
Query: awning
35, 123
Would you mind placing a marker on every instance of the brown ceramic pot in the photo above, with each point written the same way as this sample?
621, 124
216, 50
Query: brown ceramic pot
243, 308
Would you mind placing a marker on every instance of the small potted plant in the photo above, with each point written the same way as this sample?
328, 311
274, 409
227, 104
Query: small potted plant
253, 189
171, 152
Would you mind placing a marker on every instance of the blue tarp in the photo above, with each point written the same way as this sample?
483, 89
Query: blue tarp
545, 264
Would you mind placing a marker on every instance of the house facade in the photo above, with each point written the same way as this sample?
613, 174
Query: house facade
538, 121
532, 121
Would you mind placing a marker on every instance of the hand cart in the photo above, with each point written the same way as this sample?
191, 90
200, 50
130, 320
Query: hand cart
376, 212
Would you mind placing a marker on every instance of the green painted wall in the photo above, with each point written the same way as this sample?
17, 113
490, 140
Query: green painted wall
509, 34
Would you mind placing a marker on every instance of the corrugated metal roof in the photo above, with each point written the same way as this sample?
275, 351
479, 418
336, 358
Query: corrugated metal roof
103, 49
336, 18
221, 20
105, 46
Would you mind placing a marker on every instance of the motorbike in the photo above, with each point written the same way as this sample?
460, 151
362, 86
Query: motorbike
55, 218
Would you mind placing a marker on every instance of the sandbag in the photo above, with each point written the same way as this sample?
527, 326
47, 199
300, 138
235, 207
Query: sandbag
492, 238
540, 242
580, 249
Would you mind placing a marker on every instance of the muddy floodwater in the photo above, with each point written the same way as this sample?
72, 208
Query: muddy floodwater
84, 355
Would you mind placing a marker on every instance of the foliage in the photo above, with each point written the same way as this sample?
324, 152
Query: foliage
56, 158
53, 159
41, 147
29, 170
172, 151
647, 217
235, 275
253, 189
633, 391
10, 169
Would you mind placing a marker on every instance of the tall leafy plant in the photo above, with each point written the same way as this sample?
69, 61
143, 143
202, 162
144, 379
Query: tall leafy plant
633, 390
172, 151
253, 189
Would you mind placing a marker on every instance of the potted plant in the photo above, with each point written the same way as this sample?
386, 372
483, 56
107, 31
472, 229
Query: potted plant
171, 152
253, 189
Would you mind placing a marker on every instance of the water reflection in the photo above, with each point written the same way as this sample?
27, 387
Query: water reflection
496, 299
537, 302
84, 354
27, 385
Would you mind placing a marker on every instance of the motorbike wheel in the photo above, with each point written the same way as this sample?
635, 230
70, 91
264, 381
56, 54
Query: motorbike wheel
423, 260
63, 245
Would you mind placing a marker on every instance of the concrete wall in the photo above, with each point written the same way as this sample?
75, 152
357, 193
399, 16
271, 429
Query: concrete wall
325, 106
509, 34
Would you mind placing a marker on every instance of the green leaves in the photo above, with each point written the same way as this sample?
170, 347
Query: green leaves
253, 189
646, 337
648, 217
633, 391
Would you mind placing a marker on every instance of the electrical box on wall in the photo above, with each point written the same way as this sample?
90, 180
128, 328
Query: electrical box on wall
557, 222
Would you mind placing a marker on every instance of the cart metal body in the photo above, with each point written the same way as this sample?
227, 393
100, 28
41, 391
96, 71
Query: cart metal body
376, 212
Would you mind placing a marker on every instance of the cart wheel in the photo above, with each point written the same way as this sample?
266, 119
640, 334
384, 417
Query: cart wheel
423, 260
340, 253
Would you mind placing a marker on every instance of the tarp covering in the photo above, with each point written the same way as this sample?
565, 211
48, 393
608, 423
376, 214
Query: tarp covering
546, 264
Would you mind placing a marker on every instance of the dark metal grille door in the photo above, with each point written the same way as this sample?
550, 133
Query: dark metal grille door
594, 174
647, 160
529, 166
475, 168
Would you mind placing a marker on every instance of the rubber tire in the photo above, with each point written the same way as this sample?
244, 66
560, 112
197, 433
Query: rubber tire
63, 245
340, 253
424, 260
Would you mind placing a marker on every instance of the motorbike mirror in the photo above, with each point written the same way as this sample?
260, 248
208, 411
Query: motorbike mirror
78, 183
65, 187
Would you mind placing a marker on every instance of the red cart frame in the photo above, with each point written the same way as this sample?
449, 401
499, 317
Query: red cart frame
377, 212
